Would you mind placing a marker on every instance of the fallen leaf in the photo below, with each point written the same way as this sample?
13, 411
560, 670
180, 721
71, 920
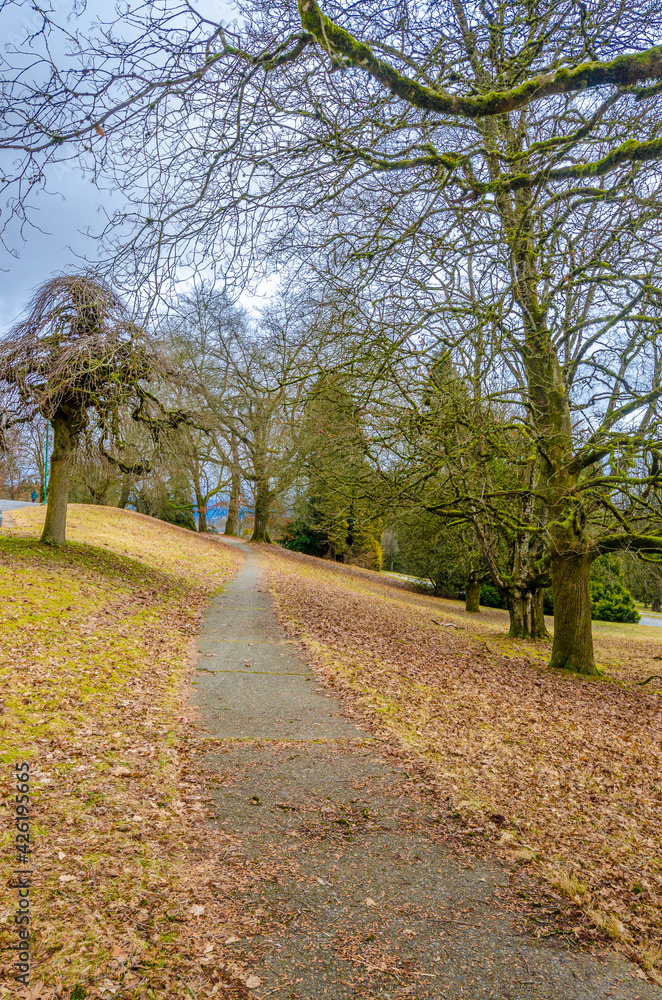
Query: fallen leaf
197, 910
231, 940
370, 902
252, 982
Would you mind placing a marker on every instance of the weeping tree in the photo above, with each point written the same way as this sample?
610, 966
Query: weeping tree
80, 361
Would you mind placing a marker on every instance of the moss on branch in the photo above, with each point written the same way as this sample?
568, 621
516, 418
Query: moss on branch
623, 71
629, 151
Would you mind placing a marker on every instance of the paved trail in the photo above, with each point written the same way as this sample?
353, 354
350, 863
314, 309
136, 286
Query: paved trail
12, 505
370, 902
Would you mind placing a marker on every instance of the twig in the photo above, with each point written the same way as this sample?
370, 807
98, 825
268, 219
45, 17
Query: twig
652, 677
445, 624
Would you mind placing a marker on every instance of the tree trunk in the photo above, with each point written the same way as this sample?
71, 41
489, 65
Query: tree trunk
202, 511
233, 505
519, 626
573, 637
538, 627
201, 504
64, 433
527, 620
124, 492
472, 595
98, 496
262, 511
202, 515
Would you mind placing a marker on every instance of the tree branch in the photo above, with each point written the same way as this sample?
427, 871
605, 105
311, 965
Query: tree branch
623, 71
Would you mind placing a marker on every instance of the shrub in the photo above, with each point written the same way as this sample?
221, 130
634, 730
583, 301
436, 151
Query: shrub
611, 601
490, 596
299, 536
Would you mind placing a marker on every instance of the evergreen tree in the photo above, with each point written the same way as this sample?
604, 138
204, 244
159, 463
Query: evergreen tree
611, 601
338, 517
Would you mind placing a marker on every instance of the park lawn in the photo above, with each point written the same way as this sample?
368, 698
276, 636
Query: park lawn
560, 774
130, 890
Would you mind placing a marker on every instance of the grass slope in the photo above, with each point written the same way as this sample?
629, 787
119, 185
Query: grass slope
130, 892
560, 773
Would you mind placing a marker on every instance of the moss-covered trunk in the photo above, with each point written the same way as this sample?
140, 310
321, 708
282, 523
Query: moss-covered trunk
573, 636
472, 592
548, 402
65, 430
527, 620
568, 538
538, 626
519, 625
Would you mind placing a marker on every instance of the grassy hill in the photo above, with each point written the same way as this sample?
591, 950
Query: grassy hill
134, 891
94, 641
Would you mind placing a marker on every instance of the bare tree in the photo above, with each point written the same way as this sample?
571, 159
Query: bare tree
251, 382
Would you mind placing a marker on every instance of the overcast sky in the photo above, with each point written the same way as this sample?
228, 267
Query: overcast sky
58, 243
74, 204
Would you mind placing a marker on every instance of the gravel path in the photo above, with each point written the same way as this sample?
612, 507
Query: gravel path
369, 898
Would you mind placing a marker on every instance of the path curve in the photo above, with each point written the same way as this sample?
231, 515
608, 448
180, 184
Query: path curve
370, 900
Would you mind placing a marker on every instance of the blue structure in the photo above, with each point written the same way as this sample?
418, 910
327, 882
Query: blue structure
217, 510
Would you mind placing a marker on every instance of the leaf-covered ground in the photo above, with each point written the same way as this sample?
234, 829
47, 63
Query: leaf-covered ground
132, 892
558, 772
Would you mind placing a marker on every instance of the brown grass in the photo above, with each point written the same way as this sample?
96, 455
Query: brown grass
131, 891
559, 772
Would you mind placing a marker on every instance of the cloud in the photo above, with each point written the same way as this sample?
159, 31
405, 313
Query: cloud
56, 241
